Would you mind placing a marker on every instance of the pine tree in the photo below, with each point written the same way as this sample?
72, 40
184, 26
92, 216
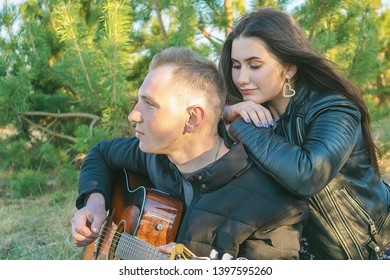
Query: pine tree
71, 69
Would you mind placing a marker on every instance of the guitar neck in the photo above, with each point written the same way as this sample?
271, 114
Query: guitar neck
130, 247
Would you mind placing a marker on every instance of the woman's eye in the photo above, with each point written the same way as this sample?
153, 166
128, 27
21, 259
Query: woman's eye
236, 66
257, 66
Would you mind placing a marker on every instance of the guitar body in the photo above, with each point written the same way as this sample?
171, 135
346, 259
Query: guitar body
142, 218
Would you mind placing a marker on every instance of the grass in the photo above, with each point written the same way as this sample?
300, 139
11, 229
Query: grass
38, 227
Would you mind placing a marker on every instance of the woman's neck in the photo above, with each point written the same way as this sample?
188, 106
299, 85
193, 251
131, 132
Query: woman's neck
278, 107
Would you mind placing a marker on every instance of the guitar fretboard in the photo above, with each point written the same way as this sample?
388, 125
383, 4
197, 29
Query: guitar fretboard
131, 248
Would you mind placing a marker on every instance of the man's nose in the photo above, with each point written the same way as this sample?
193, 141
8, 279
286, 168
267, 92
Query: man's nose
135, 116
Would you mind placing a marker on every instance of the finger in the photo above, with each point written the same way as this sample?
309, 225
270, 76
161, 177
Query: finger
245, 116
81, 231
167, 248
269, 118
79, 238
96, 222
80, 225
84, 242
255, 118
259, 118
230, 113
264, 117
82, 239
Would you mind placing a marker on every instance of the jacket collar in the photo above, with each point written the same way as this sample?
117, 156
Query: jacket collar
301, 90
225, 169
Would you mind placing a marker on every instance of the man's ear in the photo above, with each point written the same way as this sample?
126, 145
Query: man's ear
196, 117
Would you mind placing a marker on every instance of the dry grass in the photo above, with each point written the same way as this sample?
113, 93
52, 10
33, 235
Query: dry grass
38, 228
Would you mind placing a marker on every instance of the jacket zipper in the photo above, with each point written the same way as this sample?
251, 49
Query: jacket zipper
332, 224
299, 130
373, 229
346, 227
188, 211
363, 214
383, 222
385, 219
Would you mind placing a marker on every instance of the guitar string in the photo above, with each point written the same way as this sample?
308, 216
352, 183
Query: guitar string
138, 249
102, 236
130, 253
135, 243
131, 242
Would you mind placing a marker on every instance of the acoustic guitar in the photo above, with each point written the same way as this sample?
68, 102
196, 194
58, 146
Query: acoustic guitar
142, 218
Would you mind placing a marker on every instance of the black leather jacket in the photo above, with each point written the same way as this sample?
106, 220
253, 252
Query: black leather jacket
236, 208
317, 152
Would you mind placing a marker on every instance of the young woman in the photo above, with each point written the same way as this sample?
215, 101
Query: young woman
308, 127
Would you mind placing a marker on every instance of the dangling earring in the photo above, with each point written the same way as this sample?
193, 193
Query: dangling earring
287, 89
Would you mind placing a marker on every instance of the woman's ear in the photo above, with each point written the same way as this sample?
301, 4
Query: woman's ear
291, 70
196, 117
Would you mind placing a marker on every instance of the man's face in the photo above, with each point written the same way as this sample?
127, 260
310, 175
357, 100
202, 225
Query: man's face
160, 114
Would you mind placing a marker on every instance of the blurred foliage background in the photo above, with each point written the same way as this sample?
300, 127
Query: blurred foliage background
70, 70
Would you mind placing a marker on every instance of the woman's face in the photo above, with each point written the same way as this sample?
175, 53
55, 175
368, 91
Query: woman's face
256, 73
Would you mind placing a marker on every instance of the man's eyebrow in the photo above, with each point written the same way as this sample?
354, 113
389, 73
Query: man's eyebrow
145, 96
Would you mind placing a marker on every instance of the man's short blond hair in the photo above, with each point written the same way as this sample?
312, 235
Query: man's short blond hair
195, 76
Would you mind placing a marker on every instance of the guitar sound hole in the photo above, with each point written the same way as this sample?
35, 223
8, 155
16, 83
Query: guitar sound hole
120, 229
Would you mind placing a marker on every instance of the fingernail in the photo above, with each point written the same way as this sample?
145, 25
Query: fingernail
266, 124
248, 120
271, 123
260, 124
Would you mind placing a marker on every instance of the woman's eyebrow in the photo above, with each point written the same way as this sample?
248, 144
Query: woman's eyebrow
247, 59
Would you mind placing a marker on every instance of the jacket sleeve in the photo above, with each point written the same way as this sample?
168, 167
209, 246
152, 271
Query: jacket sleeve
332, 126
103, 161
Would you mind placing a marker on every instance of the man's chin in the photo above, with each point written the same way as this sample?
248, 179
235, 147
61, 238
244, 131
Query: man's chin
144, 148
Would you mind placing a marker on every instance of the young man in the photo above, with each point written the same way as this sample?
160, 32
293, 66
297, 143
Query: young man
231, 206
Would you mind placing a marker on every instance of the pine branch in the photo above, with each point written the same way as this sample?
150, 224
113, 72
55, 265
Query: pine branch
360, 44
157, 9
229, 15
115, 45
212, 39
31, 37
67, 30
317, 18
52, 22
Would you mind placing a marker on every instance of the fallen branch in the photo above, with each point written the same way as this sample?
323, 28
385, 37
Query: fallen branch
70, 138
93, 117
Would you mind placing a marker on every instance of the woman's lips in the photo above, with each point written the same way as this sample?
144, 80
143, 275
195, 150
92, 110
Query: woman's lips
247, 90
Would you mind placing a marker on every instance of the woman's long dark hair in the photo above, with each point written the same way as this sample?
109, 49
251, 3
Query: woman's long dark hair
286, 40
